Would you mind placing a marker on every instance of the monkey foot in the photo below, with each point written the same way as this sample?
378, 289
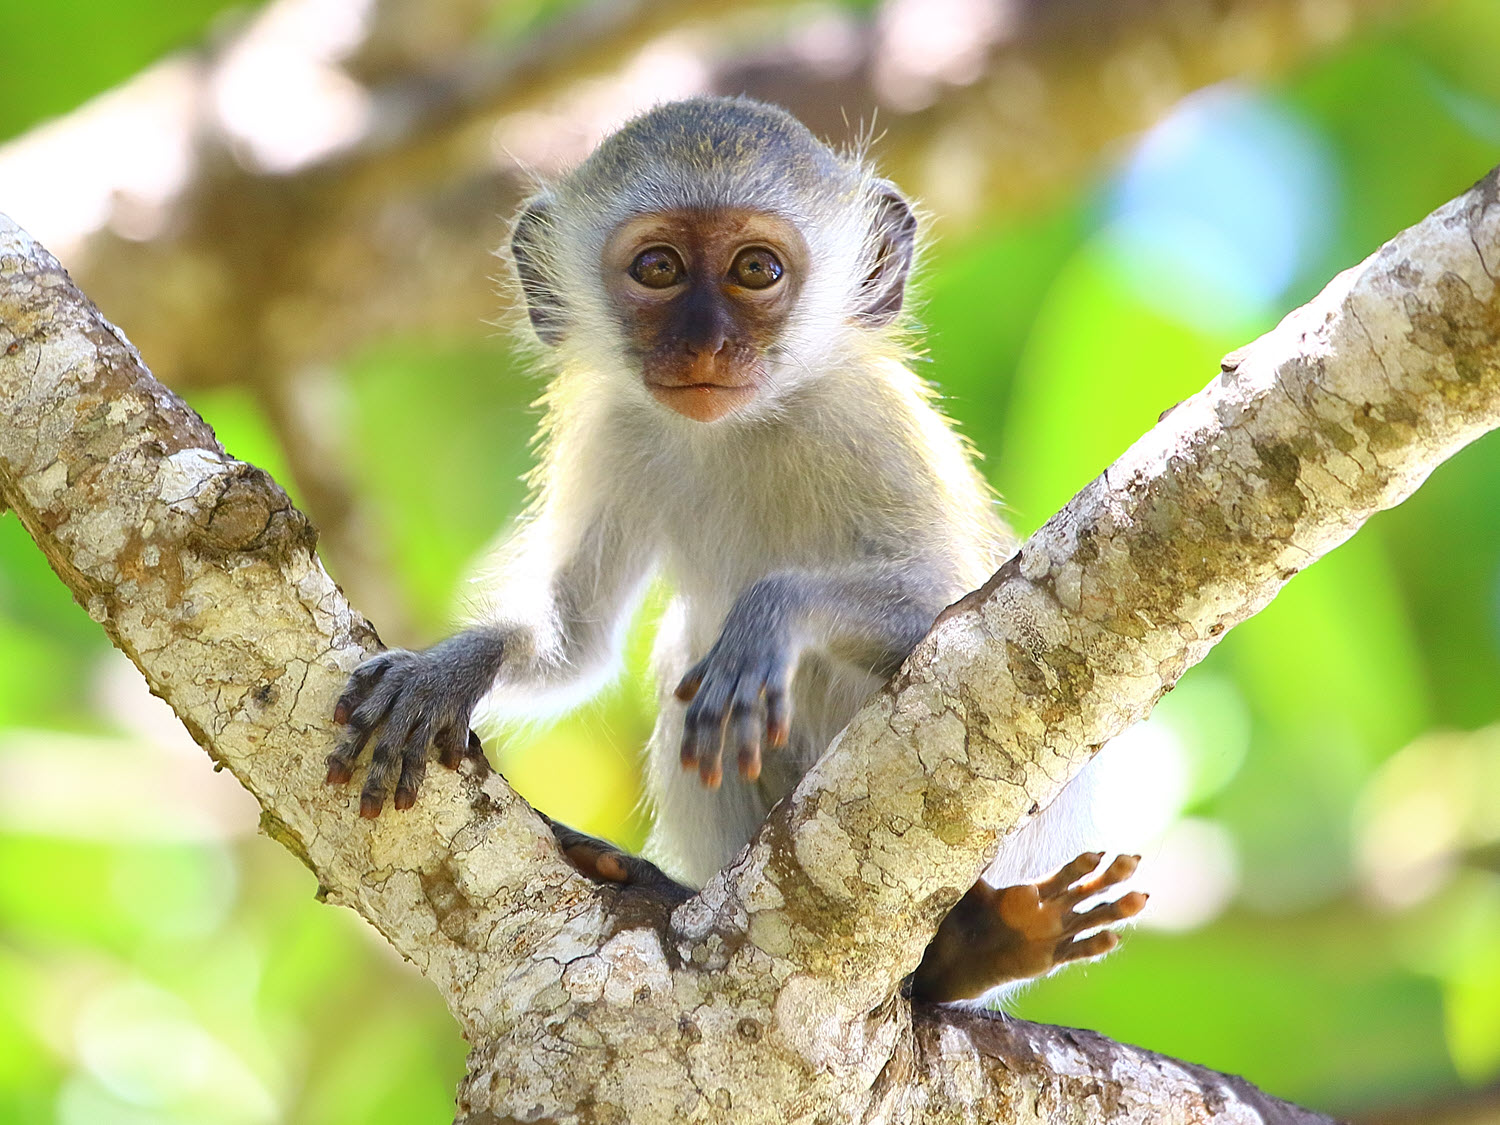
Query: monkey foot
602, 862
999, 934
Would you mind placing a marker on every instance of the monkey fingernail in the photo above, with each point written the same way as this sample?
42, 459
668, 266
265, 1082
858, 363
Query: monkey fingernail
405, 799
339, 773
369, 805
341, 712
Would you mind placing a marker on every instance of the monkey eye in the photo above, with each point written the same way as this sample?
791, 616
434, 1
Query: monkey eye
658, 268
755, 267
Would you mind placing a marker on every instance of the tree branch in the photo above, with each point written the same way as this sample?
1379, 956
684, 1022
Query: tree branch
1339, 412
773, 993
199, 568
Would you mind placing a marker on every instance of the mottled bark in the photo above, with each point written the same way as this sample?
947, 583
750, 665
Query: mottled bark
772, 996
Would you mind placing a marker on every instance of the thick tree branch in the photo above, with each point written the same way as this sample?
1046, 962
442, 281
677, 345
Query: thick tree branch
773, 995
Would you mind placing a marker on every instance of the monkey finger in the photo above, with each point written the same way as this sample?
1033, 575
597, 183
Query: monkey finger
711, 768
361, 681
745, 728
385, 759
688, 686
341, 762
778, 717
778, 702
413, 769
708, 744
451, 746
703, 729
475, 754
749, 759
688, 755
746, 723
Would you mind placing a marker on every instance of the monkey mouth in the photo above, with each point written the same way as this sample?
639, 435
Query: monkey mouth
702, 402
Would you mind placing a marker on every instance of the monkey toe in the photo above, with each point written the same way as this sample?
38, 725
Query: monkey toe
1072, 871
1106, 913
413, 769
475, 756
1086, 948
602, 862
598, 861
1120, 869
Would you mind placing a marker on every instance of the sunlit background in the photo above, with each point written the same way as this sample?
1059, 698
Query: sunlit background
290, 208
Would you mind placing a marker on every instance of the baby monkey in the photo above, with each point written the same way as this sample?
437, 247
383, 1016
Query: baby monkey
718, 294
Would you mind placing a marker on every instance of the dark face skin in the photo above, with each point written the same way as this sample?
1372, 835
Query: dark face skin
701, 295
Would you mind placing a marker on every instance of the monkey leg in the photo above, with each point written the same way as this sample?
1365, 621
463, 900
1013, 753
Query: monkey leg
999, 934
602, 862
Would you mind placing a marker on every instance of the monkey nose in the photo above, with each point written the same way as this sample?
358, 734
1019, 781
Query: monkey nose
708, 346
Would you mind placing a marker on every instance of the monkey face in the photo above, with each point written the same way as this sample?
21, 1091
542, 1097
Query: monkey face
701, 296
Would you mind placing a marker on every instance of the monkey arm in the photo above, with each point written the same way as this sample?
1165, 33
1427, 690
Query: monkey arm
558, 606
553, 623
870, 615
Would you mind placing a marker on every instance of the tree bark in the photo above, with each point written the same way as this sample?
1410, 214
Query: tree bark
775, 994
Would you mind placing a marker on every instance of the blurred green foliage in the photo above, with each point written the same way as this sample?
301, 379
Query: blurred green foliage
62, 52
164, 973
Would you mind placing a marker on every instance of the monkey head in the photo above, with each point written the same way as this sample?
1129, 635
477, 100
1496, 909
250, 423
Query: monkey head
712, 255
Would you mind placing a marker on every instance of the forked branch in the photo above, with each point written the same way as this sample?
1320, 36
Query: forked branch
773, 996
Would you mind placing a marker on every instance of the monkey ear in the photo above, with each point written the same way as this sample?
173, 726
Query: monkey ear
527, 239
894, 236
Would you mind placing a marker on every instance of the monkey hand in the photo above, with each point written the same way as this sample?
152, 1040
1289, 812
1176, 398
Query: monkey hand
999, 934
740, 693
408, 701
